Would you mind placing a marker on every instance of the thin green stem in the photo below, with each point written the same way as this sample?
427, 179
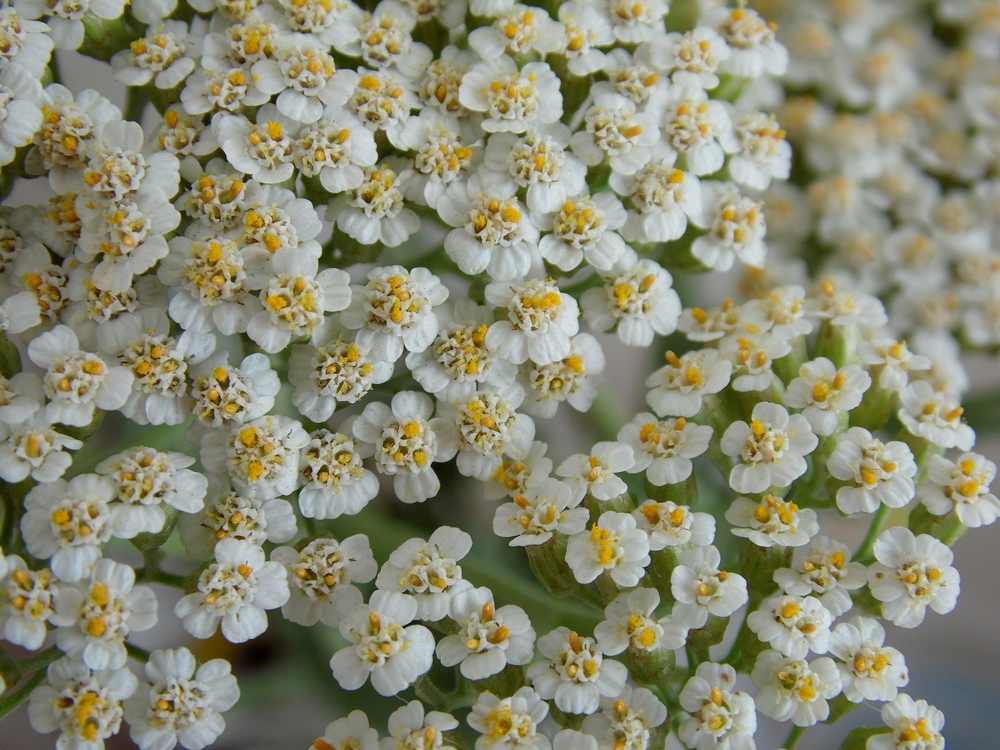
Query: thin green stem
139, 654
16, 698
136, 100
155, 575
878, 523
793, 738
36, 661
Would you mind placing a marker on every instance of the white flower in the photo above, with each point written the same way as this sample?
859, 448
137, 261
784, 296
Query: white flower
226, 396
663, 199
538, 161
912, 573
261, 456
334, 368
76, 382
65, 19
406, 442
964, 485
632, 76
385, 39
127, 236
770, 449
337, 149
263, 149
27, 42
537, 512
304, 77
395, 310
428, 571
793, 689
83, 704
613, 545
34, 449
69, 522
540, 321
165, 55
321, 578
458, 363
877, 473
629, 624
491, 233
719, 715
488, 638
672, 525
664, 449
678, 386
334, 482
826, 573
509, 723
825, 393
382, 646
235, 589
147, 479
410, 728
636, 21
76, 120
583, 229
231, 515
697, 128
184, 703
912, 723
691, 59
843, 308
637, 297
375, 211
442, 156
575, 379
586, 30
20, 397
596, 474
935, 416
630, 720
869, 670
514, 477
116, 168
891, 362
764, 153
755, 50
20, 116
736, 228
96, 616
701, 589
512, 99
794, 625
617, 132
488, 427
382, 100
785, 309
772, 521
27, 602
295, 300
213, 274
522, 30
575, 673
351, 731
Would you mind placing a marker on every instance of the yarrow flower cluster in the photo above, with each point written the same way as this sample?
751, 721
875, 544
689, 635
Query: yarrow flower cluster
367, 253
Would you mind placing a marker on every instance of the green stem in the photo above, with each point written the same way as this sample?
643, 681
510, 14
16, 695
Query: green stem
15, 699
878, 523
155, 575
39, 660
139, 654
793, 738
136, 100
